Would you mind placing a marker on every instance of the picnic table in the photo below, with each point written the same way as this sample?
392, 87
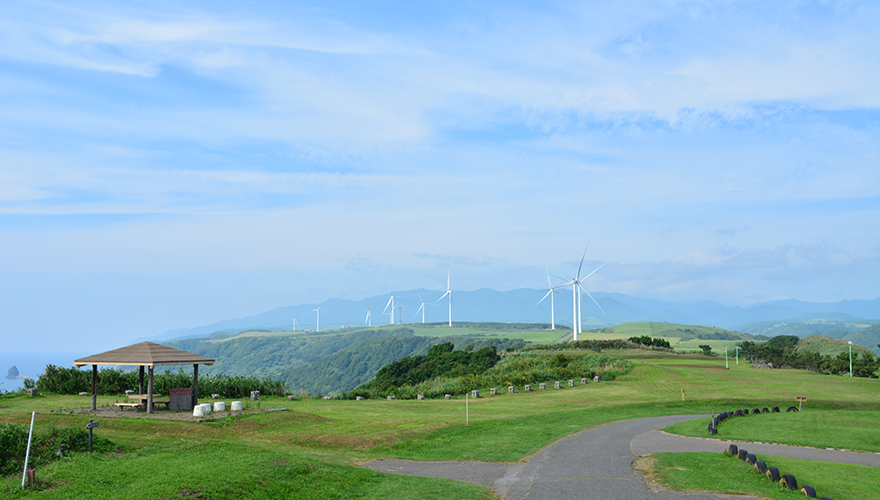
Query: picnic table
142, 401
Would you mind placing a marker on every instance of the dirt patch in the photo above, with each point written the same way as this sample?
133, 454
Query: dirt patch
196, 494
647, 466
113, 412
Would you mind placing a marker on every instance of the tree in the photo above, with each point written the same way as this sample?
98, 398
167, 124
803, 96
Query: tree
707, 349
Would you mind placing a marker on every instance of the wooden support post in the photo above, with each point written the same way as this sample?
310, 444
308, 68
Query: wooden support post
94, 387
141, 379
195, 391
149, 389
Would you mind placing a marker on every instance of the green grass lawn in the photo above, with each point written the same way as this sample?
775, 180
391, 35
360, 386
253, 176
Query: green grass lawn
328, 437
717, 472
843, 429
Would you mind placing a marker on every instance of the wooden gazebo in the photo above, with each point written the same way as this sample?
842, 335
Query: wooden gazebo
144, 354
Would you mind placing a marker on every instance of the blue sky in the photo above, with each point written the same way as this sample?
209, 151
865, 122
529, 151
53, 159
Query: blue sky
166, 165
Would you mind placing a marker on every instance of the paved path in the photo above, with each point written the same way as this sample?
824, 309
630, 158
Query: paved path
597, 463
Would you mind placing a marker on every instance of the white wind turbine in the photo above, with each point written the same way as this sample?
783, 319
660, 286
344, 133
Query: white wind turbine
368, 321
550, 293
294, 322
448, 292
421, 307
318, 327
390, 303
576, 287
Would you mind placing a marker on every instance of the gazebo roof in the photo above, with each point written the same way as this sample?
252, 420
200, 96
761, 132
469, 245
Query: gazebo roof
144, 354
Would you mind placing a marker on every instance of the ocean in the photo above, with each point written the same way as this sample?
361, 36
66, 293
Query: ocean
32, 364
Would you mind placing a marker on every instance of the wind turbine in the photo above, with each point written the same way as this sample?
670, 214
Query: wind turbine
368, 321
390, 303
550, 293
576, 287
318, 327
294, 322
448, 292
421, 307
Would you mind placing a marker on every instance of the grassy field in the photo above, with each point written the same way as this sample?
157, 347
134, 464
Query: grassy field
796, 428
717, 472
310, 449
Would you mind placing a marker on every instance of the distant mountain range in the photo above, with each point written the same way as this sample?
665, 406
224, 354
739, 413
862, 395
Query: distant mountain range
519, 306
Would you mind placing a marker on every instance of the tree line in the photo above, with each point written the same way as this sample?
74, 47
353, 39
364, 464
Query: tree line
782, 352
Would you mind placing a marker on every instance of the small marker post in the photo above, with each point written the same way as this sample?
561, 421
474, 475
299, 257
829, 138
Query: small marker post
682, 393
467, 412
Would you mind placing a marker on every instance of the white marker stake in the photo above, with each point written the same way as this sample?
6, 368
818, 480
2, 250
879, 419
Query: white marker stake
467, 412
27, 454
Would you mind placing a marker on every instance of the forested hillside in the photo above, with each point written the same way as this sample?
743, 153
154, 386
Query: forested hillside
269, 356
359, 362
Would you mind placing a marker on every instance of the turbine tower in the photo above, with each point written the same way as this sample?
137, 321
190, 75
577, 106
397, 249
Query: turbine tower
448, 292
550, 293
294, 322
390, 303
576, 287
368, 321
421, 307
318, 327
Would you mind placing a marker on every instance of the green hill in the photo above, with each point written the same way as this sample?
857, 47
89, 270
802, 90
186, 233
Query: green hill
869, 337
830, 347
359, 362
827, 327
680, 337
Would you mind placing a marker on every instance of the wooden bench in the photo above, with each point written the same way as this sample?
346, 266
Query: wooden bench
123, 406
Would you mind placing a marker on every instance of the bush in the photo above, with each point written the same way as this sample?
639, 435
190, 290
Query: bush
44, 445
113, 381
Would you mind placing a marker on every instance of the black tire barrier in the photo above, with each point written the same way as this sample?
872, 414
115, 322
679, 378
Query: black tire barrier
756, 411
761, 467
751, 459
775, 409
732, 450
714, 431
808, 491
742, 455
772, 473
739, 413
826, 498
788, 481
791, 408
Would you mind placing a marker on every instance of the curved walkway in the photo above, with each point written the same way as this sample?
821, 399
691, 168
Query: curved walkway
597, 463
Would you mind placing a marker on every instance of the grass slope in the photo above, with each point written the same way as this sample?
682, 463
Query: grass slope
328, 437
717, 472
830, 347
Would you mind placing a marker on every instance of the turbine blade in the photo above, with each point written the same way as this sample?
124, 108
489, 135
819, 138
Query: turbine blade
388, 304
582, 261
594, 302
544, 297
600, 267
444, 295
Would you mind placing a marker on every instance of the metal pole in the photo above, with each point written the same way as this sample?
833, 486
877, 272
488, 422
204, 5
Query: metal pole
467, 411
27, 454
737, 355
850, 358
726, 365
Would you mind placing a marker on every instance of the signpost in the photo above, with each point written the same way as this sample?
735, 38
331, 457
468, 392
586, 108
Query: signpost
91, 425
800, 400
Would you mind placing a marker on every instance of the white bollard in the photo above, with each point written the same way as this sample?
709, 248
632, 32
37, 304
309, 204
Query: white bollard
220, 406
236, 406
198, 411
207, 407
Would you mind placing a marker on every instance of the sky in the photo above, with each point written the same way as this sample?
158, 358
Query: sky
173, 164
